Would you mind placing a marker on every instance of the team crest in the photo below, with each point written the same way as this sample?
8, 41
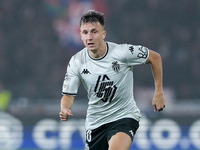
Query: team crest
115, 66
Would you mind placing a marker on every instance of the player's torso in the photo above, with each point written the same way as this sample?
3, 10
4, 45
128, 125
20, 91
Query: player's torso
102, 77
109, 83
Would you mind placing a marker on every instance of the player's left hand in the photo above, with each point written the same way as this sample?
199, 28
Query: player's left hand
158, 102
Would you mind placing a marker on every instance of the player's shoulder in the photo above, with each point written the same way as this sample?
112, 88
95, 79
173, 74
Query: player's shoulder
80, 53
79, 57
125, 46
114, 47
118, 46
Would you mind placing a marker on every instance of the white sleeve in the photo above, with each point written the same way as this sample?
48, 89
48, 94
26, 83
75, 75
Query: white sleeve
136, 54
72, 81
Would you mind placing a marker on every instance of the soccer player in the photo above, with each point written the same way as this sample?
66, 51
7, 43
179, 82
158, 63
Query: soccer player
104, 69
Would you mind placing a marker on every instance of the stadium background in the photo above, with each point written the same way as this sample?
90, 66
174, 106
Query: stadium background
37, 38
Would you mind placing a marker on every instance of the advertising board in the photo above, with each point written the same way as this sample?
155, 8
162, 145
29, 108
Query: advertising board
160, 134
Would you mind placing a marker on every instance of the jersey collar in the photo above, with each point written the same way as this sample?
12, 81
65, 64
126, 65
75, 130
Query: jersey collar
107, 48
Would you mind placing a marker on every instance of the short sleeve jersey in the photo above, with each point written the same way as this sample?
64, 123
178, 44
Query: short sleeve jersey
108, 81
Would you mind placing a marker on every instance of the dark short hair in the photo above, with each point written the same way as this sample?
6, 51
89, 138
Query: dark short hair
92, 16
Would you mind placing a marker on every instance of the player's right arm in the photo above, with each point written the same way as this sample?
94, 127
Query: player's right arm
69, 89
65, 107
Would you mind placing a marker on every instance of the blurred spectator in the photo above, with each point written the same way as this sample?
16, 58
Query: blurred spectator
5, 97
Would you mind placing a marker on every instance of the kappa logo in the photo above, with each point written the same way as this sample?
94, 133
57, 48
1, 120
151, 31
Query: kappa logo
131, 49
66, 76
131, 131
85, 71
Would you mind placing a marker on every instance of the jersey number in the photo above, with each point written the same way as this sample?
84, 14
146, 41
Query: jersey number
105, 89
88, 135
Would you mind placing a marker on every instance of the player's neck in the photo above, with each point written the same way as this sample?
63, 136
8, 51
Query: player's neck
98, 53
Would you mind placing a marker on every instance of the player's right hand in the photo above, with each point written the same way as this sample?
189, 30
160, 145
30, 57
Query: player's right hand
64, 114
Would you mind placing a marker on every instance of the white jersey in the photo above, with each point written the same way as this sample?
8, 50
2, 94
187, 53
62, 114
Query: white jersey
108, 81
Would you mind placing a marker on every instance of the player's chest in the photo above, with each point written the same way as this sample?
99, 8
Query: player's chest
102, 71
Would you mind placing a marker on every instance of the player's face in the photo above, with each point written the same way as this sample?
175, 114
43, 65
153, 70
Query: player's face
92, 35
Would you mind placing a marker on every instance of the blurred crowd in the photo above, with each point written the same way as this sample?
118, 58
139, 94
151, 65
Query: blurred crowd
169, 27
35, 45
31, 59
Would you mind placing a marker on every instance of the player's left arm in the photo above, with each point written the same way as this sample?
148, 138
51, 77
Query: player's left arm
155, 61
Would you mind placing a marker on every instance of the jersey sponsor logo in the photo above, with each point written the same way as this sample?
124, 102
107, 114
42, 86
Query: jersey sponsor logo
105, 89
85, 71
115, 66
131, 49
143, 52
